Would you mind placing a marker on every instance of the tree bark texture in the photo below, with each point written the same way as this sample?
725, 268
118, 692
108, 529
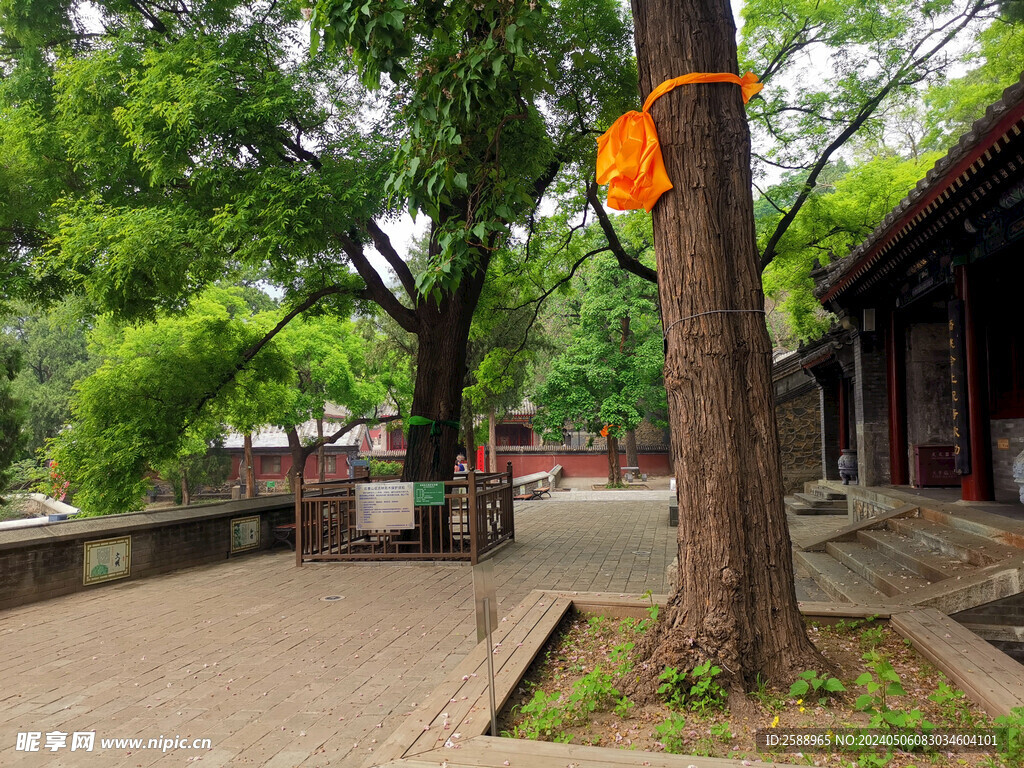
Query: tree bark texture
440, 369
614, 468
632, 459
295, 473
186, 493
321, 456
736, 602
250, 470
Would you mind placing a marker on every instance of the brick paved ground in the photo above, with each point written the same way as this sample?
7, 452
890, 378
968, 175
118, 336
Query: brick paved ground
247, 654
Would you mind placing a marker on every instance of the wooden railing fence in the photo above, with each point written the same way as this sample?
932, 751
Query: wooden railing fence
475, 518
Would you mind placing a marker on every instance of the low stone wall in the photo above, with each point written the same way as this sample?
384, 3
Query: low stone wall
46, 561
864, 503
799, 439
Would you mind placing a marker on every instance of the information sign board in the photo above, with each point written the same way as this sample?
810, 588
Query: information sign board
429, 494
385, 507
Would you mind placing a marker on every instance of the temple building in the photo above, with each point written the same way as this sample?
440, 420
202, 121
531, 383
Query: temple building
923, 383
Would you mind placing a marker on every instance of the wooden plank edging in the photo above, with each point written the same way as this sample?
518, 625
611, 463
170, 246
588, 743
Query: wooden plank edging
522, 633
413, 745
992, 679
490, 752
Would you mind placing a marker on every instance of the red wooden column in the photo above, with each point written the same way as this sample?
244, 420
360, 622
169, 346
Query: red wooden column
978, 485
899, 464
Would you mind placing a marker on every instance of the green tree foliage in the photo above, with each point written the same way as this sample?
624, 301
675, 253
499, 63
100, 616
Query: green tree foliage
10, 423
182, 144
609, 372
504, 341
951, 107
144, 406
149, 406
54, 353
199, 461
845, 207
495, 96
856, 85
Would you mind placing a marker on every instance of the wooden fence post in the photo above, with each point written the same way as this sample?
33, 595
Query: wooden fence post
511, 504
298, 522
474, 548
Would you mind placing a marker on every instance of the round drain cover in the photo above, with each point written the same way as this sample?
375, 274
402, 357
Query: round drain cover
332, 598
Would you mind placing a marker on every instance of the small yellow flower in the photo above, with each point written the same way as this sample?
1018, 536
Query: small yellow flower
775, 722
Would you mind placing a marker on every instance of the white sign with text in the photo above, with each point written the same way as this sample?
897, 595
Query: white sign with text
385, 507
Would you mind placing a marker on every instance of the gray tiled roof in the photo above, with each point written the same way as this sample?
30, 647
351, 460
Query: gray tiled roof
1012, 97
276, 437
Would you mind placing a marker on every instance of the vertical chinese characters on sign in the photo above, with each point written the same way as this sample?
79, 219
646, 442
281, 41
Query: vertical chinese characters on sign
958, 379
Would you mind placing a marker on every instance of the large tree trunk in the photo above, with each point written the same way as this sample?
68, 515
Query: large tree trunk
297, 470
736, 601
186, 492
492, 438
614, 468
250, 470
321, 455
440, 371
632, 459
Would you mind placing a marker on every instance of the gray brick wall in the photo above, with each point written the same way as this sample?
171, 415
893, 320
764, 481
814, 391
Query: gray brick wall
44, 562
828, 406
871, 404
929, 389
800, 440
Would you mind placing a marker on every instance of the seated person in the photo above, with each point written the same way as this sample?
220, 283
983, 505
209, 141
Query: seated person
460, 463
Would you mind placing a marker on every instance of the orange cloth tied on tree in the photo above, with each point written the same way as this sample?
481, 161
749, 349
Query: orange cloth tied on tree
629, 155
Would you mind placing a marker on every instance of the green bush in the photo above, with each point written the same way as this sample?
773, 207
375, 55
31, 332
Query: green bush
379, 468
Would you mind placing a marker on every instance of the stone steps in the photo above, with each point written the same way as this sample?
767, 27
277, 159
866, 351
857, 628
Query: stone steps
1000, 622
884, 574
824, 492
814, 499
1003, 633
807, 504
911, 560
836, 580
925, 562
808, 591
961, 565
967, 547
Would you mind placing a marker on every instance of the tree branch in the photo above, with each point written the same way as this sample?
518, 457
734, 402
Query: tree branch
572, 271
626, 262
383, 245
764, 196
249, 354
378, 292
308, 450
903, 76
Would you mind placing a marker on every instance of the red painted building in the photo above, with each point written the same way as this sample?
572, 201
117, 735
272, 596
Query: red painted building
272, 459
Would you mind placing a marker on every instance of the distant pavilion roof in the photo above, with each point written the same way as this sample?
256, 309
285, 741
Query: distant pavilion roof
270, 437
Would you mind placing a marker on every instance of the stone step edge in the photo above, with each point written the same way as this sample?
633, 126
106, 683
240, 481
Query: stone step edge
889, 583
850, 531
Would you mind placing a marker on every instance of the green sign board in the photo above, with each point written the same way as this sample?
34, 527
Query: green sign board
429, 494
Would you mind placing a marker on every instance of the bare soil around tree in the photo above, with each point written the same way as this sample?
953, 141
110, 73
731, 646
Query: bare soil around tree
572, 694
